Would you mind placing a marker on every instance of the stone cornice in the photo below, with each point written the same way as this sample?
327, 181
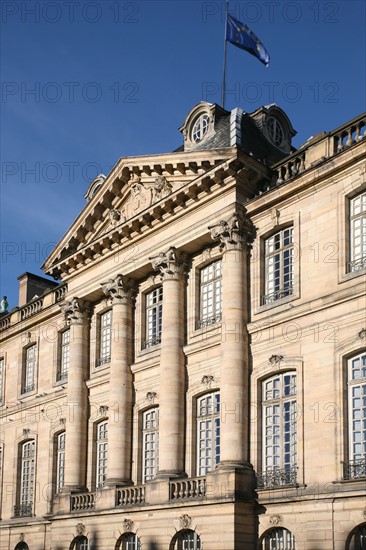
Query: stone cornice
237, 163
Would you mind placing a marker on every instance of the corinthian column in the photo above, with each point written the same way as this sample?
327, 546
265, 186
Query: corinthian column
171, 264
235, 236
120, 292
77, 316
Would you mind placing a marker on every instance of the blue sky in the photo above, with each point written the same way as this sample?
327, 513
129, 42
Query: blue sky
87, 82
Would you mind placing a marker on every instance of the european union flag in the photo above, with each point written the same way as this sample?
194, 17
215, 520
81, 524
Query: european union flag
241, 36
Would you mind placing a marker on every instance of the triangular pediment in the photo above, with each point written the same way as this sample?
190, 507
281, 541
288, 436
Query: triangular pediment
136, 195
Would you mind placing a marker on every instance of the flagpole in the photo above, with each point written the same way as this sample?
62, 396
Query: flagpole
224, 71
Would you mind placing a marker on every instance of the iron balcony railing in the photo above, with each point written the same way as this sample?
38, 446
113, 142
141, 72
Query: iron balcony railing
103, 360
152, 342
277, 295
356, 265
354, 469
277, 477
28, 388
23, 510
208, 321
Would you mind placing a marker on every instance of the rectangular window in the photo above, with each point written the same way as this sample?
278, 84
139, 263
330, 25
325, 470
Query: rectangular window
208, 433
210, 295
60, 462
279, 439
2, 376
154, 312
29, 373
64, 355
27, 469
105, 338
102, 453
279, 270
356, 465
150, 444
357, 233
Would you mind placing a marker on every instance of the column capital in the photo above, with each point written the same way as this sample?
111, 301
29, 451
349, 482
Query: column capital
76, 311
235, 233
119, 290
172, 264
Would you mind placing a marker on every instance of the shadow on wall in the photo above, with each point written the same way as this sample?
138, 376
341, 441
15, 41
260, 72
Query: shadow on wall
94, 542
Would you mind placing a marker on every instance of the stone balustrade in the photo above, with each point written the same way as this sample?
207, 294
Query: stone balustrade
130, 496
5, 323
59, 293
31, 309
187, 488
349, 135
82, 502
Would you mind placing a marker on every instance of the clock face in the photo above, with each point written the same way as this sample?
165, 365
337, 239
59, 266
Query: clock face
275, 131
200, 128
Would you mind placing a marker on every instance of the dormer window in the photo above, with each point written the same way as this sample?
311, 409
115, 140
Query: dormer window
200, 127
275, 131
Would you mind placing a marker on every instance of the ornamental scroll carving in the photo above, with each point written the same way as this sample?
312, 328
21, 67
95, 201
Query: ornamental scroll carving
119, 289
234, 233
171, 264
76, 311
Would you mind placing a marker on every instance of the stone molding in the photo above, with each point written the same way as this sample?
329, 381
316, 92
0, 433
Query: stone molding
76, 311
172, 264
235, 233
119, 290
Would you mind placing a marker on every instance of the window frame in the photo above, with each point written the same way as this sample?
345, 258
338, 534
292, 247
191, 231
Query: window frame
122, 542
354, 468
105, 333
101, 453
352, 218
2, 380
152, 338
60, 461
63, 362
178, 540
28, 387
26, 485
215, 419
213, 284
284, 292
262, 540
145, 431
284, 474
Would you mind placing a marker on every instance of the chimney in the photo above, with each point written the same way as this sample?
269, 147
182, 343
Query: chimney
31, 286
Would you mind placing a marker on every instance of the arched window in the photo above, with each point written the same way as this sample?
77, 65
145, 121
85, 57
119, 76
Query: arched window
128, 541
22, 546
60, 461
27, 466
186, 540
355, 467
208, 432
357, 538
279, 431
80, 543
277, 539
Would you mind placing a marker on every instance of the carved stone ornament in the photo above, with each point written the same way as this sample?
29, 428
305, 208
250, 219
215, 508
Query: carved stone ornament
103, 409
275, 360
364, 513
150, 396
115, 216
234, 233
207, 380
21, 537
80, 528
63, 421
26, 432
118, 289
75, 311
362, 334
171, 264
127, 525
185, 521
275, 215
160, 188
275, 519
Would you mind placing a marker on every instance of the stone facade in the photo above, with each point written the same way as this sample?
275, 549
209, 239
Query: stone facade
194, 381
